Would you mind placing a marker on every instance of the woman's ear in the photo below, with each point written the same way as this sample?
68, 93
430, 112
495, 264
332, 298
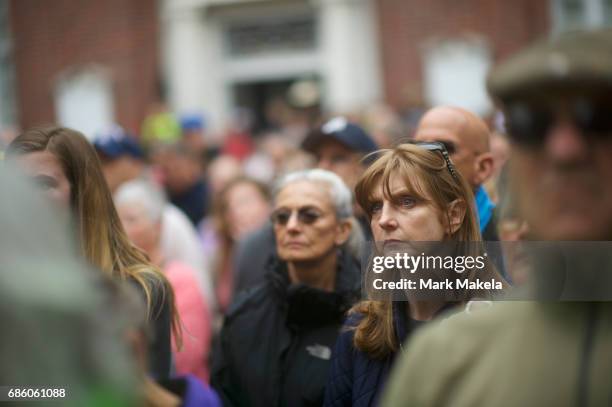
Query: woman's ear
455, 214
343, 232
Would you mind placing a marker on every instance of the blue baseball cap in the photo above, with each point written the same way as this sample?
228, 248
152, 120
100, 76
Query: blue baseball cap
192, 122
340, 129
116, 142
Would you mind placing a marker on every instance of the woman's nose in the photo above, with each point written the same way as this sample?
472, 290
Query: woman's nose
293, 223
387, 218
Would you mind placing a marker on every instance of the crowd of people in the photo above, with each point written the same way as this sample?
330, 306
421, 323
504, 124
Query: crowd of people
167, 270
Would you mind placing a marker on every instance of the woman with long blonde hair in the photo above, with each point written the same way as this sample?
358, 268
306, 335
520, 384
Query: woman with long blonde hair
63, 163
412, 194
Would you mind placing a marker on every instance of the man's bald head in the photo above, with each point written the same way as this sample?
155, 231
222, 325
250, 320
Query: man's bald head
466, 137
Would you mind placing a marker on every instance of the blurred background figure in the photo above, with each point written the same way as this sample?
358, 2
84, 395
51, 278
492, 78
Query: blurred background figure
140, 207
183, 180
193, 133
467, 140
62, 163
299, 307
340, 146
160, 126
121, 156
385, 125
220, 171
123, 161
240, 208
237, 140
56, 326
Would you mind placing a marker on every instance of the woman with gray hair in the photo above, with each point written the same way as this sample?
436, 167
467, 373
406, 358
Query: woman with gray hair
141, 206
300, 307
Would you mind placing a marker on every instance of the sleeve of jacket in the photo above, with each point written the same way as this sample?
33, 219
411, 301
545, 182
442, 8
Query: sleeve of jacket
223, 376
159, 346
160, 317
339, 389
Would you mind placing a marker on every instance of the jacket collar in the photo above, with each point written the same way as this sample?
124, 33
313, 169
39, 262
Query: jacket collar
307, 306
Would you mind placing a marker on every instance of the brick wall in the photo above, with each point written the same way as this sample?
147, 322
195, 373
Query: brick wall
53, 37
406, 25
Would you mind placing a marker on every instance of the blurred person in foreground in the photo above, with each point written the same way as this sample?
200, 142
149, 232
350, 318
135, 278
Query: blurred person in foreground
62, 163
277, 339
185, 390
57, 332
467, 140
140, 207
556, 99
123, 161
338, 146
411, 194
513, 230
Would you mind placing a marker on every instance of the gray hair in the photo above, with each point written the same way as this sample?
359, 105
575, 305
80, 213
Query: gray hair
340, 196
144, 193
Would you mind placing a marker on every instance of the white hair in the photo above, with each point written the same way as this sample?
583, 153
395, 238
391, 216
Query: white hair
340, 196
143, 193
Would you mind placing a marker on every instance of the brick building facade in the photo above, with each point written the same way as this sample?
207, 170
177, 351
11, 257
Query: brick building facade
53, 40
406, 26
119, 40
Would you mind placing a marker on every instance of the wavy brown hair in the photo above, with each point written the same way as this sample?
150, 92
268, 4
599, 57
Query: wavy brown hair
101, 237
428, 177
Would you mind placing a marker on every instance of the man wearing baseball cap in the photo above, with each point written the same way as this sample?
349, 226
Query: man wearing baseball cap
557, 100
121, 156
339, 146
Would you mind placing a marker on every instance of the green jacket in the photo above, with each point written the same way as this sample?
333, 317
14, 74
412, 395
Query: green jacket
510, 354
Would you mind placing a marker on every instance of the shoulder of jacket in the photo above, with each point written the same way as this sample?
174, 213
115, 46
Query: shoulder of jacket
478, 323
247, 300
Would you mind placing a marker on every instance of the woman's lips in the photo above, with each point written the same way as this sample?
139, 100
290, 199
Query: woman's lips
294, 244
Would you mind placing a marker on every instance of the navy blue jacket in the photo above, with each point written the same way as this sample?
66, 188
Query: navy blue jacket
356, 379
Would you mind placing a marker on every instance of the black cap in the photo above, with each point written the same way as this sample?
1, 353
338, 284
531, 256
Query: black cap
340, 129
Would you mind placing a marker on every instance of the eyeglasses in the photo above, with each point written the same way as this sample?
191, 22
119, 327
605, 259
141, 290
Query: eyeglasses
438, 146
307, 216
528, 123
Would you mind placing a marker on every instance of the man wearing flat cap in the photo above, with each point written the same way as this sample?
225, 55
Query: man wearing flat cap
557, 100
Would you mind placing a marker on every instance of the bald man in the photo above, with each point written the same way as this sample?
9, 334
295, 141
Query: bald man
466, 137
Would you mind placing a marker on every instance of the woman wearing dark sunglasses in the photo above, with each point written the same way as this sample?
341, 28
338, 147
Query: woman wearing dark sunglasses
277, 340
411, 193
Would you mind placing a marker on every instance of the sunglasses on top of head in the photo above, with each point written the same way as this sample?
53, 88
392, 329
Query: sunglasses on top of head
439, 146
528, 123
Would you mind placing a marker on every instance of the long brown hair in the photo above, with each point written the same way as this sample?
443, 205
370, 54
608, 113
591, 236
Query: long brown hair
427, 175
101, 237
